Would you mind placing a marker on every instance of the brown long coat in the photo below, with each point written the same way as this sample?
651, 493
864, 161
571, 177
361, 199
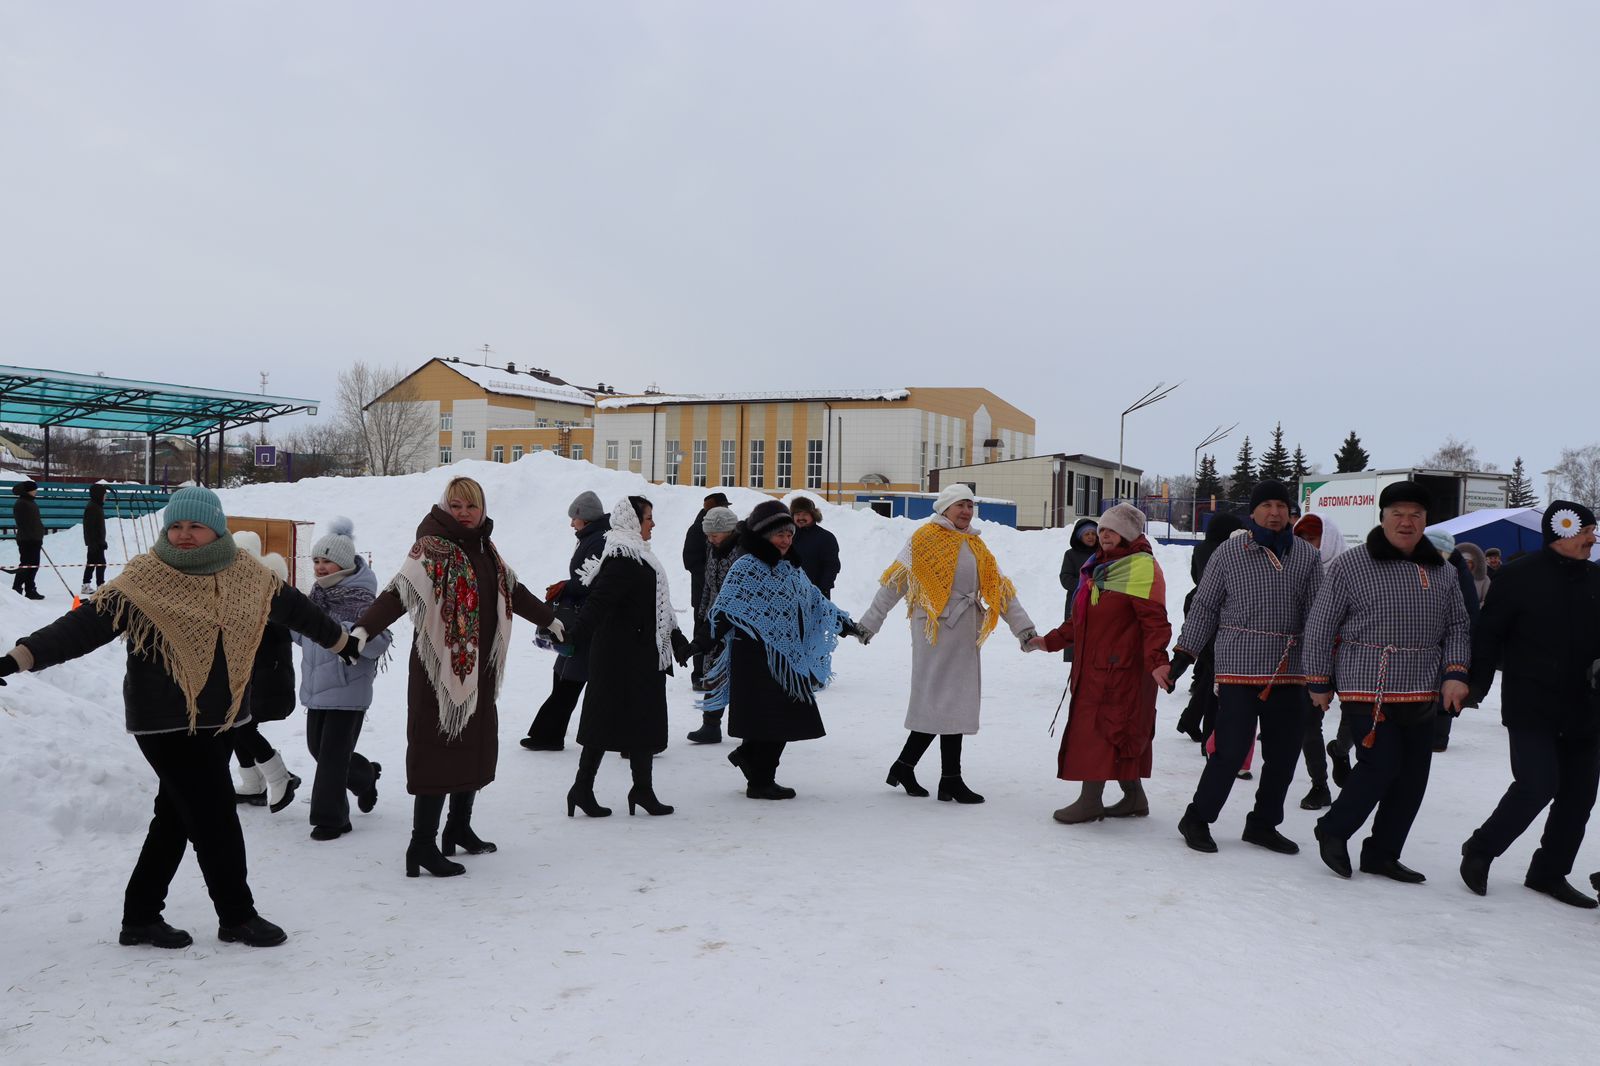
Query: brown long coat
435, 764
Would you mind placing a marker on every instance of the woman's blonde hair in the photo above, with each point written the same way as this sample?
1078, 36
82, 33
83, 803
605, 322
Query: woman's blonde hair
464, 488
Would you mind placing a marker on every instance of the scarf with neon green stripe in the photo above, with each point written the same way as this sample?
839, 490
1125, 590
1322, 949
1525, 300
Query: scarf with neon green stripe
1135, 575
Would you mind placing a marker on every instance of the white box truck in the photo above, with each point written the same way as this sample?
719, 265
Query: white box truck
1351, 500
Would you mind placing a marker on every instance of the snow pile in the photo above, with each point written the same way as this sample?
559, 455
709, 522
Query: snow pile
853, 924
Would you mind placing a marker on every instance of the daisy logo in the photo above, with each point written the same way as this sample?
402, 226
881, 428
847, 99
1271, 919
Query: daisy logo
1565, 523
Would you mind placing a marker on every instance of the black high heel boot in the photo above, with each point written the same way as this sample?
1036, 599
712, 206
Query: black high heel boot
643, 793
904, 774
581, 795
422, 853
951, 787
458, 828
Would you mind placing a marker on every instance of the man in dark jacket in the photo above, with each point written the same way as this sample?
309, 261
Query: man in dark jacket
1198, 717
94, 540
30, 539
1541, 625
571, 672
815, 549
694, 561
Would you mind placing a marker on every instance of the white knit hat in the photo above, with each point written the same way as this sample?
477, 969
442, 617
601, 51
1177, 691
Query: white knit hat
337, 545
951, 495
1125, 520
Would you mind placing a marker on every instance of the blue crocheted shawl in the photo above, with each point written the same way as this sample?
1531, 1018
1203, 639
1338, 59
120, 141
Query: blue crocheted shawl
779, 606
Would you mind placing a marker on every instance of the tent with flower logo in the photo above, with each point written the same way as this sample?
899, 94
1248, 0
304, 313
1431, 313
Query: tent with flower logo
1514, 530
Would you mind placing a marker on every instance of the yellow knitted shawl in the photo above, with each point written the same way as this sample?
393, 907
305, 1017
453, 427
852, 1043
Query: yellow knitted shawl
926, 568
175, 618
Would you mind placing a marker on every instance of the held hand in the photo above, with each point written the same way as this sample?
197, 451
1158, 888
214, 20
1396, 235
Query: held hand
1322, 701
1036, 644
1163, 676
350, 650
8, 666
1455, 695
1026, 639
557, 630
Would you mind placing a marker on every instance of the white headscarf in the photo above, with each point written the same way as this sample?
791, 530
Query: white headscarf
1332, 540
626, 538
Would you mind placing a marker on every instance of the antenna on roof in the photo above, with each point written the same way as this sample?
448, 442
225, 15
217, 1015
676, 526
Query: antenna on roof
487, 352
264, 375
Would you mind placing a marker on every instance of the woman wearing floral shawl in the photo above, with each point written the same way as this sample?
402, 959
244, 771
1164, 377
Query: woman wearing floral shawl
460, 596
776, 634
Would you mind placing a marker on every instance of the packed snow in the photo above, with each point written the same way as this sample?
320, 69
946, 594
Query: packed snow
853, 924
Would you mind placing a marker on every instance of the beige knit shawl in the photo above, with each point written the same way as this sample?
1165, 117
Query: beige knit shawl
175, 618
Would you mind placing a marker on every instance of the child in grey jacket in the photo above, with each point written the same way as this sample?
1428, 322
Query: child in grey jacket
336, 696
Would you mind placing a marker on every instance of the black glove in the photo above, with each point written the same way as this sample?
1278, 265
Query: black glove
8, 666
351, 650
1181, 661
682, 648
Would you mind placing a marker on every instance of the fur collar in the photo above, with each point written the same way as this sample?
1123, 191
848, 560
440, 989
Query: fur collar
759, 546
1424, 554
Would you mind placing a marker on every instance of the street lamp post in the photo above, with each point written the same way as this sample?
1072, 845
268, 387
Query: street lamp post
1155, 395
1213, 437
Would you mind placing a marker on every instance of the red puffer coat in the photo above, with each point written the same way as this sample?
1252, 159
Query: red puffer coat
1116, 643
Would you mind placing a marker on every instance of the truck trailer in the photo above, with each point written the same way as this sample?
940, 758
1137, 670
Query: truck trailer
1351, 500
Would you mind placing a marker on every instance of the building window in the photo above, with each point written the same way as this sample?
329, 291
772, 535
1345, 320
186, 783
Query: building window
813, 464
516, 452
577, 451
635, 455
758, 464
699, 469
444, 456
555, 449
785, 465
499, 453
949, 456
469, 439
922, 466
611, 454
674, 458
537, 448
730, 462
961, 455
446, 420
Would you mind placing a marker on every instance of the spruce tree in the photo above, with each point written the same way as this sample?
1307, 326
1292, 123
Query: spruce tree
1208, 484
1519, 490
1352, 457
1275, 460
1243, 479
1300, 466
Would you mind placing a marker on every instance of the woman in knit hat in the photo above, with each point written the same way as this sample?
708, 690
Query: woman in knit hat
337, 694
264, 780
460, 596
631, 632
774, 634
1119, 632
548, 732
191, 610
94, 539
720, 525
956, 595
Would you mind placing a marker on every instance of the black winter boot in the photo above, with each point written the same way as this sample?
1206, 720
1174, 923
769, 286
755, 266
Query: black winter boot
1475, 869
902, 774
953, 788
1561, 890
1335, 853
422, 852
710, 731
581, 795
1196, 833
256, 933
1318, 798
643, 793
458, 828
157, 933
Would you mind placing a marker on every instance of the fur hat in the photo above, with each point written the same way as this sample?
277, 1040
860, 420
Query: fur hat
587, 507
248, 540
951, 495
338, 544
23, 487
769, 517
1563, 519
807, 505
1403, 492
1268, 491
195, 504
719, 520
1125, 520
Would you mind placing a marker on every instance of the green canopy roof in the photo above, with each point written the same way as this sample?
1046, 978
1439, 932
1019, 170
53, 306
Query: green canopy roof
90, 401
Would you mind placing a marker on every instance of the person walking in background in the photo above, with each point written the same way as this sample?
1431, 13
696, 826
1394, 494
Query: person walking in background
29, 528
1541, 627
191, 611
1199, 716
694, 561
815, 551
1322, 533
1252, 601
1080, 545
1393, 608
1119, 632
722, 550
460, 596
1446, 543
337, 694
570, 673
773, 635
94, 540
956, 596
264, 780
1491, 562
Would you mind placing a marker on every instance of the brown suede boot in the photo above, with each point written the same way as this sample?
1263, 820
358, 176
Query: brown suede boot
1086, 808
1133, 804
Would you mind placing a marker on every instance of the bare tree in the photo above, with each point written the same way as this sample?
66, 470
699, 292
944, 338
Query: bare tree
1577, 475
1456, 454
393, 432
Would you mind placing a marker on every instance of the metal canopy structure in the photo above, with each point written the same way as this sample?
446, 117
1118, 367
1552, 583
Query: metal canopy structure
51, 398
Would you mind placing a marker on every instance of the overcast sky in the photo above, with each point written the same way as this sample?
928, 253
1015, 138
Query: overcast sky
1382, 217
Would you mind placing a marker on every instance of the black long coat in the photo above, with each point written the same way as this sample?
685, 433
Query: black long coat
591, 542
759, 708
694, 558
625, 705
94, 524
1540, 624
25, 519
271, 695
816, 551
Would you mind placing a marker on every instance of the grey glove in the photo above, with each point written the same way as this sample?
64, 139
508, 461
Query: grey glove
1026, 637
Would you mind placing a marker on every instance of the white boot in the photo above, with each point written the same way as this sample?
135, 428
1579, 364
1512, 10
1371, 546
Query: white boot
87, 590
252, 787
280, 782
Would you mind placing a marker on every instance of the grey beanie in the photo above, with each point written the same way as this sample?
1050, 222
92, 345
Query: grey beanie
719, 520
587, 507
1125, 520
337, 544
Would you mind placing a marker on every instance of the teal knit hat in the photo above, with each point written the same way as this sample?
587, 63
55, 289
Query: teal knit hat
195, 504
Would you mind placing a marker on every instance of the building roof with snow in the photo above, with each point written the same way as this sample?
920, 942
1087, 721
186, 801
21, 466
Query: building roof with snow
535, 383
613, 403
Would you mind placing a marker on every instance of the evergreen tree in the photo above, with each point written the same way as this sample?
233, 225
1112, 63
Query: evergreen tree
1519, 490
1300, 467
1208, 485
1352, 457
1243, 479
1275, 460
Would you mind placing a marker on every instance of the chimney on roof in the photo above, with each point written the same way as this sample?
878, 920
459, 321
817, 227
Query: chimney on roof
511, 368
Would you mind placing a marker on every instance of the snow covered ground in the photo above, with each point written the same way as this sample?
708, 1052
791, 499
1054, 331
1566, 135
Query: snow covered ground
853, 924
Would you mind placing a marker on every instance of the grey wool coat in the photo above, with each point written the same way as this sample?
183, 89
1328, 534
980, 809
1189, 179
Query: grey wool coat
947, 677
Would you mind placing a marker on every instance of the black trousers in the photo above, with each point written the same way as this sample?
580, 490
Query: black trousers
1390, 777
759, 760
1546, 768
28, 554
1202, 709
1314, 747
94, 567
1441, 729
194, 805
1282, 725
555, 714
248, 744
331, 736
